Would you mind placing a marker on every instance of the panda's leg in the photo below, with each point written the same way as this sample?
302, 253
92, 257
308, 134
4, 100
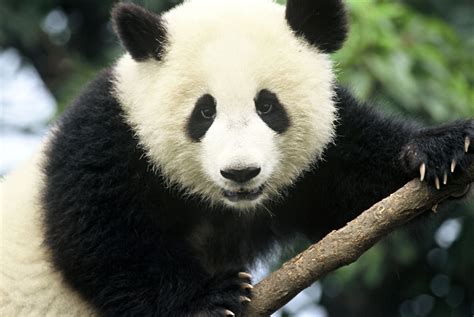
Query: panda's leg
374, 155
432, 154
163, 280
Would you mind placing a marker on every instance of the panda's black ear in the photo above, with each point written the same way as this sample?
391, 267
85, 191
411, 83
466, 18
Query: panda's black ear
141, 32
322, 23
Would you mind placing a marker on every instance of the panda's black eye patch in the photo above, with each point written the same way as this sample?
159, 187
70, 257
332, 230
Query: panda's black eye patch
202, 117
271, 111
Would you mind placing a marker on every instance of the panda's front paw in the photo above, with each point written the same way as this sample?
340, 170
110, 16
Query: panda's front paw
437, 153
227, 295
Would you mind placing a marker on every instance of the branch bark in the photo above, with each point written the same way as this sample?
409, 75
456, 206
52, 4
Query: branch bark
346, 245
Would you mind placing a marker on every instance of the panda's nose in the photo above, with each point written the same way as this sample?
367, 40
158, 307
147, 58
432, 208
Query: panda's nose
241, 175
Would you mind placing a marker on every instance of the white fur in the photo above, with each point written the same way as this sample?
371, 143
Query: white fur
230, 49
28, 284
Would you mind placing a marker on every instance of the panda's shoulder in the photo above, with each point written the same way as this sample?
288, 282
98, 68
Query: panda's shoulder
97, 98
95, 119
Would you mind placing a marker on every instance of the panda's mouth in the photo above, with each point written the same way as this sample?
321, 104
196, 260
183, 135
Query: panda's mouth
243, 194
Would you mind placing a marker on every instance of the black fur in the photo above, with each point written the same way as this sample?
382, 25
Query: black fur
277, 118
123, 239
322, 23
200, 122
141, 32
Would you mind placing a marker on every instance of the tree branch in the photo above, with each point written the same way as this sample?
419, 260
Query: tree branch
346, 245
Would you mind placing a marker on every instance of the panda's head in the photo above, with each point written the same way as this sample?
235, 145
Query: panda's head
232, 100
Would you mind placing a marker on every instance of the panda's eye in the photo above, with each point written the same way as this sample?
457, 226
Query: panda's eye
208, 113
266, 102
264, 108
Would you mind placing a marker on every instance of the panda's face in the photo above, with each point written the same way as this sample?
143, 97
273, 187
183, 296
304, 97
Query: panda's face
240, 143
238, 107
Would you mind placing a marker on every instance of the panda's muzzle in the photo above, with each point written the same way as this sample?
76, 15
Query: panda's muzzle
243, 194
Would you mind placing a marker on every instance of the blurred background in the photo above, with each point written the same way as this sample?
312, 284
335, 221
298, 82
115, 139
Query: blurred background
413, 58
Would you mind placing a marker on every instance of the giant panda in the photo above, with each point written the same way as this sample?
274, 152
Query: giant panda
220, 134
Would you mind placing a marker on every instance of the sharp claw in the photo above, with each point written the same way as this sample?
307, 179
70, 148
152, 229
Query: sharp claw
245, 299
445, 178
422, 171
246, 286
437, 183
467, 142
435, 208
453, 166
244, 275
228, 313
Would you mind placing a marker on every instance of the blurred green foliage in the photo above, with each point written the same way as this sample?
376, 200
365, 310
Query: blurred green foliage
414, 58
415, 64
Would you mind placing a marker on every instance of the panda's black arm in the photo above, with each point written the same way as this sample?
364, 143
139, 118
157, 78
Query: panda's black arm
372, 156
